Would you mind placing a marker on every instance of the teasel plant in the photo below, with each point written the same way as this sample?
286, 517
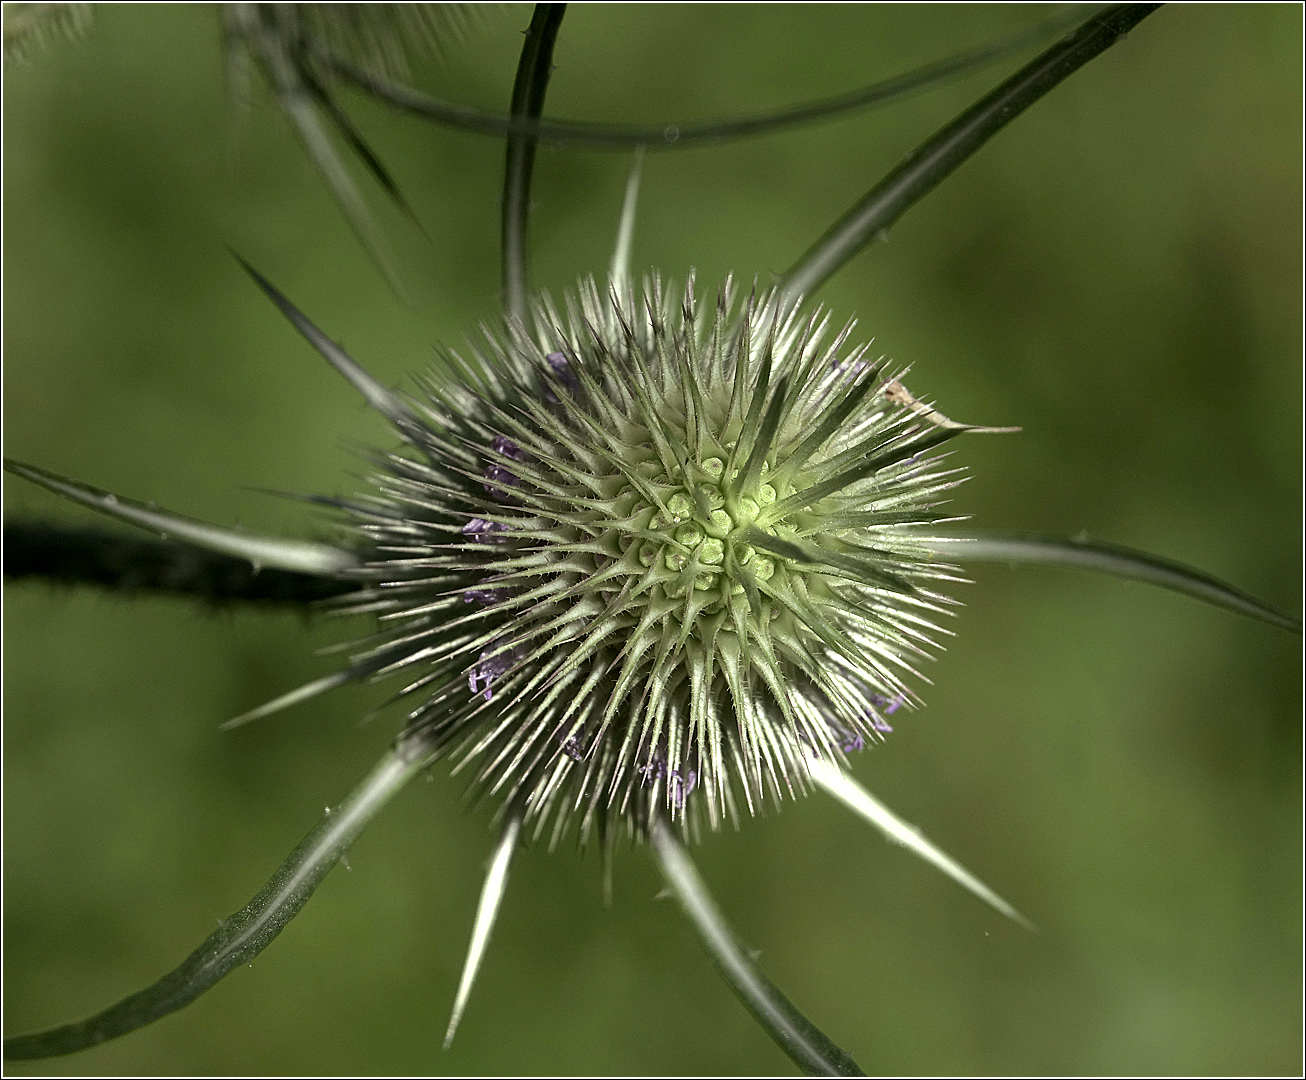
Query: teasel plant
606, 432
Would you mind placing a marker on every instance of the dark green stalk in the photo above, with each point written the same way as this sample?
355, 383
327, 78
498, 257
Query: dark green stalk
936, 158
533, 71
811, 1050
127, 564
247, 933
1032, 549
681, 135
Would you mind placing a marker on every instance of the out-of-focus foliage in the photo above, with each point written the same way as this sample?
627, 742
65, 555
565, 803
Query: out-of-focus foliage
381, 38
29, 27
1118, 272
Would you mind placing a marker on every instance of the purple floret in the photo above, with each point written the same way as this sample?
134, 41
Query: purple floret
561, 368
497, 478
652, 771
680, 786
500, 444
487, 669
481, 531
491, 595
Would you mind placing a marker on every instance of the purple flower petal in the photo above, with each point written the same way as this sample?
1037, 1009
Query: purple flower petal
680, 786
561, 367
488, 668
481, 531
500, 444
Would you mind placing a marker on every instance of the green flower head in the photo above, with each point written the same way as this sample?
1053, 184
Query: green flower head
654, 553
643, 561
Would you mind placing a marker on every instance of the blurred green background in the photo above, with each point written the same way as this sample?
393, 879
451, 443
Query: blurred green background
1118, 272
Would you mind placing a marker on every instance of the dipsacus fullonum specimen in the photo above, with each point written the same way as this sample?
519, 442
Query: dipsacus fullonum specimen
643, 564
655, 553
462, 535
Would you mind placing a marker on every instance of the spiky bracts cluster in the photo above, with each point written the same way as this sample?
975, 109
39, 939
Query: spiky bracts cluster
655, 555
29, 27
382, 39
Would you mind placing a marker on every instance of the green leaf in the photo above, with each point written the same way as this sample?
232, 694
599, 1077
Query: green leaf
835, 782
376, 394
935, 159
533, 70
248, 932
1081, 553
686, 134
487, 910
303, 556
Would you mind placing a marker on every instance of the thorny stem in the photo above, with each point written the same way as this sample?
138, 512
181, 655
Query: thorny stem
248, 932
936, 158
811, 1050
533, 71
130, 564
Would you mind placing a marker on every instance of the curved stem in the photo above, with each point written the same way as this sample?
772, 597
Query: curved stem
1081, 553
811, 1050
687, 134
248, 932
931, 162
130, 564
533, 71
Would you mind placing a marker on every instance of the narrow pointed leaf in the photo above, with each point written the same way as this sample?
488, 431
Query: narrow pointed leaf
834, 781
129, 563
619, 273
694, 133
248, 932
292, 697
1033, 549
487, 910
936, 158
350, 133
360, 669
811, 1050
380, 397
299, 555
298, 108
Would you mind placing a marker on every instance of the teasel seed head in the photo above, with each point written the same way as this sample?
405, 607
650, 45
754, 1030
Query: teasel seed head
649, 555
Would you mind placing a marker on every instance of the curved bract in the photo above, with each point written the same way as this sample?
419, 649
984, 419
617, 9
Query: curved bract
250, 930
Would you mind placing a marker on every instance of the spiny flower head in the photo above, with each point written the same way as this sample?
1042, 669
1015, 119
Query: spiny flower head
654, 554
